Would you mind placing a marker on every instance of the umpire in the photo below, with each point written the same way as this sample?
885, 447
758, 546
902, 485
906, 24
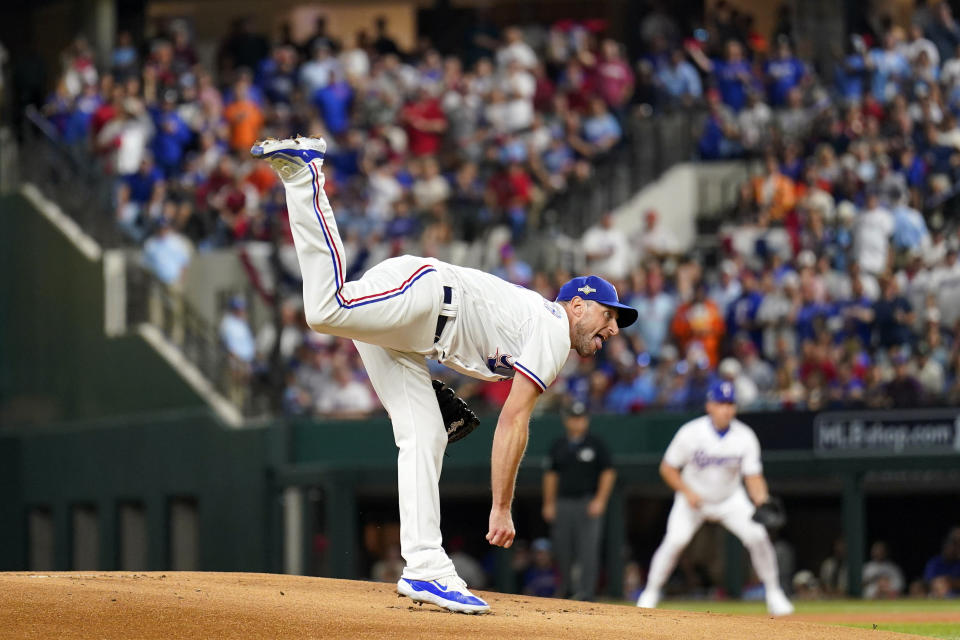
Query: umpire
576, 487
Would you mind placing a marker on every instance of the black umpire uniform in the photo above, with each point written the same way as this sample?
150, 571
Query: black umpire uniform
576, 488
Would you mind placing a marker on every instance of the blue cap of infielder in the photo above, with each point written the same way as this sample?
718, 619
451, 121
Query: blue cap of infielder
722, 391
599, 290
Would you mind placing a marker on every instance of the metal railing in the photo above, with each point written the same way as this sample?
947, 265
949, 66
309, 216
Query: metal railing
650, 147
165, 307
71, 176
80, 185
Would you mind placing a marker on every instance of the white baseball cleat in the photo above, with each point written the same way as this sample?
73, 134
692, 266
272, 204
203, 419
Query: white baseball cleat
290, 156
649, 599
449, 592
778, 604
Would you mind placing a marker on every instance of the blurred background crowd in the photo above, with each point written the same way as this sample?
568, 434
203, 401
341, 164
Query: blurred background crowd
835, 280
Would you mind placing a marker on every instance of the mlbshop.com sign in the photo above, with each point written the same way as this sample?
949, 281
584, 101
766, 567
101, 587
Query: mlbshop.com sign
923, 431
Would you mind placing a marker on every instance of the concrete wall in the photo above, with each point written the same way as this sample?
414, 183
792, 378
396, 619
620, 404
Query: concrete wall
55, 361
681, 195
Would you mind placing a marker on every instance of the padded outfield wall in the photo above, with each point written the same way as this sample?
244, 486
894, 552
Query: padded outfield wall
237, 481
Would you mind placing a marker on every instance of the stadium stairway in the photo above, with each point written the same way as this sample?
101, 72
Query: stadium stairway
75, 332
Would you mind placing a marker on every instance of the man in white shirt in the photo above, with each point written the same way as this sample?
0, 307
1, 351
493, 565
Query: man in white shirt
872, 239
516, 50
919, 43
607, 249
344, 397
945, 281
707, 463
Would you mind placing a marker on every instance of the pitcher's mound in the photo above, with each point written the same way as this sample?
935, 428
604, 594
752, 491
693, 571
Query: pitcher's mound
257, 606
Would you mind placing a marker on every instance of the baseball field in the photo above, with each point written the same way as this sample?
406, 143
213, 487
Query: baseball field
236, 605
930, 618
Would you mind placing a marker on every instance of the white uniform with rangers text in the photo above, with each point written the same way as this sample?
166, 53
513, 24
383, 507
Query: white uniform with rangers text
713, 464
493, 331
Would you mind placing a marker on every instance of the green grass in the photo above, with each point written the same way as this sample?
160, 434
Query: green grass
816, 606
942, 630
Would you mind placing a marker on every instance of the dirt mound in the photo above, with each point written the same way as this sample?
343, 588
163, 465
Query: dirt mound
256, 606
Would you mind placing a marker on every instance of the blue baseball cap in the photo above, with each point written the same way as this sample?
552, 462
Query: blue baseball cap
599, 290
722, 391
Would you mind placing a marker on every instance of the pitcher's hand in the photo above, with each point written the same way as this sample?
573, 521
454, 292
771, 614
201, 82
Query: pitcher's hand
501, 531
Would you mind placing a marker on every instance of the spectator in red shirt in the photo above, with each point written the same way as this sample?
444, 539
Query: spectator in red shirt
425, 123
816, 362
513, 186
578, 84
614, 77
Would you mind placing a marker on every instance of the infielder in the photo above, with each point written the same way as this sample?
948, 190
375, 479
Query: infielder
407, 309
704, 464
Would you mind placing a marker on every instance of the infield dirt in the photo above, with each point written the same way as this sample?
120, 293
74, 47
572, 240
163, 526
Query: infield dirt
262, 606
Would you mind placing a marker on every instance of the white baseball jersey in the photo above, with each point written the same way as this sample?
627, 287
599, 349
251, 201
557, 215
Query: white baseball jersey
493, 329
500, 328
714, 463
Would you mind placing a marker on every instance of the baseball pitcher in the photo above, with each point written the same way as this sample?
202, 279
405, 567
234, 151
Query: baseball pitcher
707, 463
407, 309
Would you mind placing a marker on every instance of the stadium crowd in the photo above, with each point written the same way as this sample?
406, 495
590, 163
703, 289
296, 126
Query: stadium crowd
835, 281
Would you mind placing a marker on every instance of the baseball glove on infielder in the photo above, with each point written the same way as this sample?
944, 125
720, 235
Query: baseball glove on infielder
458, 418
771, 514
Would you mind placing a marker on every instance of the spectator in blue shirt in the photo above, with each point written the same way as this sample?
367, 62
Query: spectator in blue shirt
850, 75
277, 75
333, 101
235, 332
656, 308
142, 182
166, 253
173, 136
942, 573
719, 138
888, 67
732, 75
943, 30
636, 389
742, 312
679, 79
77, 124
857, 313
809, 317
403, 225
909, 227
784, 72
893, 317
600, 129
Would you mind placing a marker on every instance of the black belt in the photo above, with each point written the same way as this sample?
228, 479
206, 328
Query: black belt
442, 319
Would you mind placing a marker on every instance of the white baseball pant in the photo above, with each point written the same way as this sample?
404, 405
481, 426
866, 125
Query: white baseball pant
736, 515
391, 315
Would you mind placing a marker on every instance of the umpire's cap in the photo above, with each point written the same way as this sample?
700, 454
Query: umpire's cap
599, 290
575, 409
